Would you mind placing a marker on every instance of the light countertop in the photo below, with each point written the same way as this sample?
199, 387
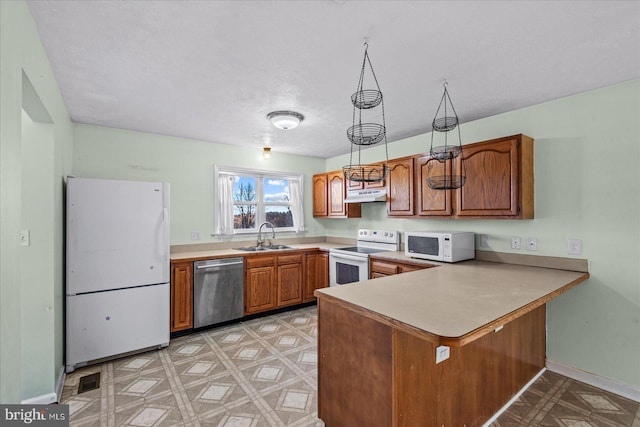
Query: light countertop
215, 253
454, 300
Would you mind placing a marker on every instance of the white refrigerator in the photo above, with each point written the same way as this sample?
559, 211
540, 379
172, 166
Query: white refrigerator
117, 268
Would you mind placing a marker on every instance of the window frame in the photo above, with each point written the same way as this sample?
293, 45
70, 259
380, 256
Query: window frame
260, 175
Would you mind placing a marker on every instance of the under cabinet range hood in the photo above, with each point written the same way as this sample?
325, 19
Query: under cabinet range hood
363, 196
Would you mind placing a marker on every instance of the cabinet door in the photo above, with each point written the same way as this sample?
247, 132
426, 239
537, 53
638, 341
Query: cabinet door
320, 195
336, 194
382, 268
375, 184
260, 292
181, 296
491, 188
317, 274
400, 185
290, 282
431, 202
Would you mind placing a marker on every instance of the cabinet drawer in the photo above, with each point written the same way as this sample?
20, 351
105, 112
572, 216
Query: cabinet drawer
260, 261
383, 267
290, 259
405, 268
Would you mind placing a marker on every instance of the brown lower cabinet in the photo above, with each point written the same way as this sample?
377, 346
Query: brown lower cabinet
377, 373
274, 281
289, 287
381, 267
260, 284
181, 296
271, 281
317, 272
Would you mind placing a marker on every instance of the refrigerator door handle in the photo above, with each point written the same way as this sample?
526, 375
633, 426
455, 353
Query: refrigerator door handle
165, 241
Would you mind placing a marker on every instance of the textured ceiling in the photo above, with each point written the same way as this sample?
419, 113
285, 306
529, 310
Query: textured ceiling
212, 70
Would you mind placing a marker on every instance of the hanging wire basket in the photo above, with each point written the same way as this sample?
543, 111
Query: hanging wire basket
445, 124
445, 152
366, 173
367, 98
446, 182
366, 133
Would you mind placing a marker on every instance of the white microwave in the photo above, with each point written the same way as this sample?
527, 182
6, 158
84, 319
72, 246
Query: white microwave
445, 246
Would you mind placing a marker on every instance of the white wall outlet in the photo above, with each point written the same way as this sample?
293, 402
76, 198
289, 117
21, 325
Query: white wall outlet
25, 237
515, 242
195, 235
532, 243
442, 353
484, 240
574, 247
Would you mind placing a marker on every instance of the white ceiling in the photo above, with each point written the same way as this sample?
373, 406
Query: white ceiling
212, 70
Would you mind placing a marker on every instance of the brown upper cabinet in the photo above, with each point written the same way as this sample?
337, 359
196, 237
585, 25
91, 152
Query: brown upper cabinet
400, 187
430, 202
320, 199
328, 199
499, 179
499, 182
360, 185
499, 185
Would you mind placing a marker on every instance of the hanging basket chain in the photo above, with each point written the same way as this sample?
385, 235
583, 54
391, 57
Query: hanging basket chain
366, 133
447, 153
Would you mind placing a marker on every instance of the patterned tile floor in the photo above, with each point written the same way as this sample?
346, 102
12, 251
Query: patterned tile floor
262, 372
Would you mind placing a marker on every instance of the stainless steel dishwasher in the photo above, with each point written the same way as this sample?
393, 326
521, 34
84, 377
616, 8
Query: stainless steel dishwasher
218, 291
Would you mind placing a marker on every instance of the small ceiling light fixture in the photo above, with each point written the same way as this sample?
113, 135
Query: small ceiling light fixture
285, 119
266, 153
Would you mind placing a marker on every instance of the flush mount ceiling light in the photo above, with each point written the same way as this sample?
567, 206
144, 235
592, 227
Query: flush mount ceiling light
266, 153
285, 119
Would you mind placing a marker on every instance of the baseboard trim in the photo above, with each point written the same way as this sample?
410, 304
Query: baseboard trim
60, 384
43, 399
513, 399
46, 399
621, 389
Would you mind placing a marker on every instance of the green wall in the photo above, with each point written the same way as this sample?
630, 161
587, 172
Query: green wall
188, 166
587, 186
35, 154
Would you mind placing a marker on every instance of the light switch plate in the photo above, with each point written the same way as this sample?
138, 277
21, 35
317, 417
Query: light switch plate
25, 237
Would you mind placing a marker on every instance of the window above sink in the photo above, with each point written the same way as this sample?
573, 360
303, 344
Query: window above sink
245, 198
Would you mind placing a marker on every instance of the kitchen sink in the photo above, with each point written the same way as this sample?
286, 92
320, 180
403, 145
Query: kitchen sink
277, 247
252, 249
264, 248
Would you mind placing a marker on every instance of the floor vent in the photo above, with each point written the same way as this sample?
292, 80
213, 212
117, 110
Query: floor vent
89, 382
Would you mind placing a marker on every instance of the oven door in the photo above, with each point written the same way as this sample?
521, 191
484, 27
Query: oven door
345, 269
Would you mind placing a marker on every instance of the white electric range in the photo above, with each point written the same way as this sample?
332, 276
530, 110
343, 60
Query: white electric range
351, 264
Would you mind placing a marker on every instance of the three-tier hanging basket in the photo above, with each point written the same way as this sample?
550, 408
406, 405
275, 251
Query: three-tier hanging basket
366, 133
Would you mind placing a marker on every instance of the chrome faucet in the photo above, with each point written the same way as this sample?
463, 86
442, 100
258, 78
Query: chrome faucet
260, 238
